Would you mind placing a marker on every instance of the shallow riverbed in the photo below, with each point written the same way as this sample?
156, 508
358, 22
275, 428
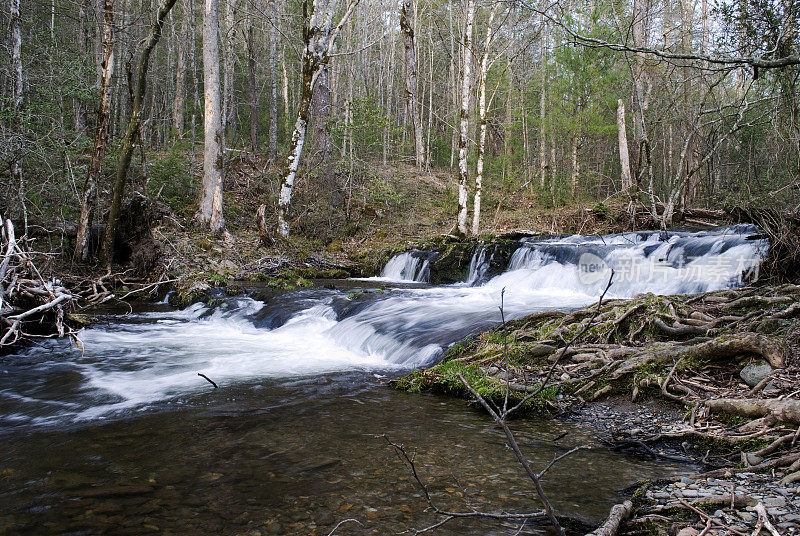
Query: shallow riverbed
292, 458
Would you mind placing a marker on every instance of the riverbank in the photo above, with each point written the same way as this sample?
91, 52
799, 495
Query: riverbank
710, 379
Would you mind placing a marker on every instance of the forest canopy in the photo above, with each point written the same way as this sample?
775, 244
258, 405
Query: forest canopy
669, 104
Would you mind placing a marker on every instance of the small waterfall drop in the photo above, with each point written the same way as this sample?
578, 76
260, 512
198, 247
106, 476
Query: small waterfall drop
408, 266
478, 266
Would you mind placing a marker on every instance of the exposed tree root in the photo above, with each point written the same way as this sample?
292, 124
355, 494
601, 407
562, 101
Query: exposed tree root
717, 349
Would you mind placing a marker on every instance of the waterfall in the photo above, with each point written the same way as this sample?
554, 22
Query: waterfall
683, 263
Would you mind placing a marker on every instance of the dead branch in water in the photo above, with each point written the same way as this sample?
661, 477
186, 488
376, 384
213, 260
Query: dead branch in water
27, 298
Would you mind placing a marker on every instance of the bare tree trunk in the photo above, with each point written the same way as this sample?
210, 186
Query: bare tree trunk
89, 200
16, 100
476, 215
624, 157
273, 79
285, 92
251, 79
453, 83
107, 249
195, 85
430, 109
179, 103
553, 168
466, 93
229, 97
318, 38
410, 45
211, 201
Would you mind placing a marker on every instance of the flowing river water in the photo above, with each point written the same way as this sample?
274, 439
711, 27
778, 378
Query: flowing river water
119, 434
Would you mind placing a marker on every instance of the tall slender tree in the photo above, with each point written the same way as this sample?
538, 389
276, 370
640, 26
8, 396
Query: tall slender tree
463, 139
251, 80
476, 215
624, 158
17, 91
229, 95
410, 45
273, 82
89, 200
179, 102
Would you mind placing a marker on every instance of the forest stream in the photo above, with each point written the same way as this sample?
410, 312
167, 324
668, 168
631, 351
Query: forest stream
116, 433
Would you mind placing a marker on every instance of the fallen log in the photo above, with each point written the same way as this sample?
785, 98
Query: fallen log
618, 514
786, 410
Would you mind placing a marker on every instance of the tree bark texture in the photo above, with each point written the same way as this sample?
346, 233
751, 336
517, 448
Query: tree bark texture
179, 102
624, 157
251, 80
273, 81
318, 39
476, 215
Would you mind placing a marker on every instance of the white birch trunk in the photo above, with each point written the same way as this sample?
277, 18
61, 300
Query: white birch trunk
285, 94
16, 55
211, 201
476, 215
318, 38
543, 110
575, 166
466, 85
624, 157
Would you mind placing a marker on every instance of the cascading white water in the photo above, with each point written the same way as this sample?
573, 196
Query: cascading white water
407, 266
152, 357
478, 266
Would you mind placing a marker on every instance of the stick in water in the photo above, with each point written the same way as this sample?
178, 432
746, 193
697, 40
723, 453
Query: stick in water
209, 380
